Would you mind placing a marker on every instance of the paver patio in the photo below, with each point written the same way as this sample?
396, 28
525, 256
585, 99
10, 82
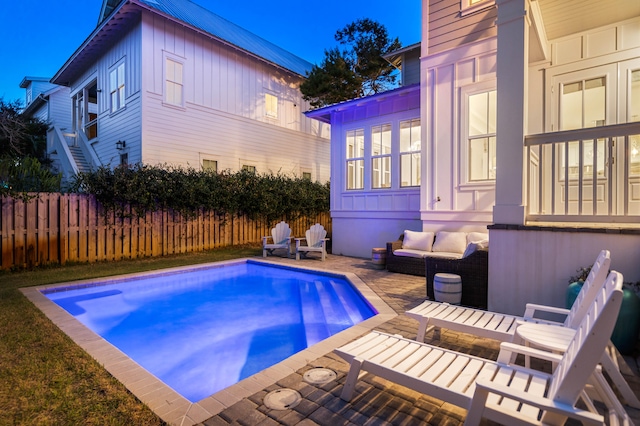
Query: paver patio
376, 401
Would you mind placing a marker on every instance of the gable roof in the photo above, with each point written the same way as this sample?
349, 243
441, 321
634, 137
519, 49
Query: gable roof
124, 13
197, 16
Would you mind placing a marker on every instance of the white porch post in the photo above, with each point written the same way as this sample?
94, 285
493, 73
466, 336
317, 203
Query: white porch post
513, 41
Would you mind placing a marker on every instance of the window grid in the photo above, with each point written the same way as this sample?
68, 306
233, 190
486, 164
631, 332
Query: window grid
355, 159
410, 149
174, 83
381, 156
116, 87
271, 105
481, 136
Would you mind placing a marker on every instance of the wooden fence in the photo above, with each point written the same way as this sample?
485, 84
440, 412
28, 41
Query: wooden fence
60, 228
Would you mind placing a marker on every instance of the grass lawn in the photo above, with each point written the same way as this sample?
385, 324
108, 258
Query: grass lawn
44, 377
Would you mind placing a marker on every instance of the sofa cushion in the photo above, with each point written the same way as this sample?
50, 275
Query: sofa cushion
410, 253
474, 237
452, 242
417, 240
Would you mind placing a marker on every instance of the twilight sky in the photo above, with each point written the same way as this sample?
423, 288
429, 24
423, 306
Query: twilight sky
38, 36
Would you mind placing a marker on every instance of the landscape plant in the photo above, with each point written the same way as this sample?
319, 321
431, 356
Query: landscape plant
142, 188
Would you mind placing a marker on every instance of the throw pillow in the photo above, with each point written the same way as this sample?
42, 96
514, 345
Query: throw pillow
451, 242
417, 240
471, 248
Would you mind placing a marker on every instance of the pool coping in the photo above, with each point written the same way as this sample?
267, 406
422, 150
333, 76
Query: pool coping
168, 404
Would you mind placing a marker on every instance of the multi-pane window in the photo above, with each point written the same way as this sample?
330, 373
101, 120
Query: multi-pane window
481, 136
116, 87
410, 148
355, 159
306, 175
174, 83
209, 165
381, 156
271, 105
634, 115
249, 168
582, 105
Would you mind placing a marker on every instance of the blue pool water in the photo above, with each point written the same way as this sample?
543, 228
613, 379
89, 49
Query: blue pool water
202, 330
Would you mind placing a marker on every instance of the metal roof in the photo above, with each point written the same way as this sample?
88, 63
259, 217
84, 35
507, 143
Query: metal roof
215, 25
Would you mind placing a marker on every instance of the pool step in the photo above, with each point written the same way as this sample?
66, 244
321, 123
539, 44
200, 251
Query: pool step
312, 313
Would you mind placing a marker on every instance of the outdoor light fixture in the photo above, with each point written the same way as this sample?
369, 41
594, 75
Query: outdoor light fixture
120, 145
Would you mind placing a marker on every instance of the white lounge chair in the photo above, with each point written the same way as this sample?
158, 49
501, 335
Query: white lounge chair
280, 239
503, 327
316, 241
497, 390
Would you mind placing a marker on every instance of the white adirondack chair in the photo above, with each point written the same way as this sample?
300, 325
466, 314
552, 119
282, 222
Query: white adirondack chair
316, 241
280, 239
497, 390
503, 327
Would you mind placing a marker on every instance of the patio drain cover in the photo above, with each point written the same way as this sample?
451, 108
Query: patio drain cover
282, 399
319, 376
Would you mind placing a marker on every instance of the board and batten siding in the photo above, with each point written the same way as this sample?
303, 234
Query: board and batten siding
59, 109
223, 117
446, 195
223, 78
123, 124
448, 29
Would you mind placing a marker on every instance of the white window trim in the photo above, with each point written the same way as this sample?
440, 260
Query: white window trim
365, 138
466, 8
112, 69
381, 156
179, 60
410, 152
465, 93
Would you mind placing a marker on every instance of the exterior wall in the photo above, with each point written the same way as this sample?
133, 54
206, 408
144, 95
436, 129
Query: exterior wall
223, 117
368, 218
411, 68
123, 124
534, 266
59, 108
448, 28
448, 201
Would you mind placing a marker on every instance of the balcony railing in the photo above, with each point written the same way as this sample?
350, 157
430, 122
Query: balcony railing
587, 175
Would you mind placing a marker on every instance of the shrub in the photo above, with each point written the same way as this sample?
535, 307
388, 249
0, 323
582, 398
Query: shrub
148, 188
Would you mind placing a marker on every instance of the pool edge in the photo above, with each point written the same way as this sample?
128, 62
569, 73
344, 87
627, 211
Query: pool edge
168, 404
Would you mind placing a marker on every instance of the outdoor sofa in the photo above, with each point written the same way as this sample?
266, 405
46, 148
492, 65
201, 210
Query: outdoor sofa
427, 253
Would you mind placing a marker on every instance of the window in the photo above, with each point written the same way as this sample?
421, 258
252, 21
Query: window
306, 175
355, 159
410, 148
124, 160
634, 115
116, 87
582, 105
173, 93
470, 6
481, 136
381, 156
249, 168
271, 105
209, 165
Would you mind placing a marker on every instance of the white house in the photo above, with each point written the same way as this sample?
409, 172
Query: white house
530, 127
169, 82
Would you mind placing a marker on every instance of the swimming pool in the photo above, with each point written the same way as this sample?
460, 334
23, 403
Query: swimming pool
202, 330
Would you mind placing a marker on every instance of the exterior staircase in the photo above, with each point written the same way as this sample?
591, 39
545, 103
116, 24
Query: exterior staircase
81, 161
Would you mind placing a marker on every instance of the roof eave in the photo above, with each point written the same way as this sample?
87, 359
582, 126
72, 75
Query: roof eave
324, 114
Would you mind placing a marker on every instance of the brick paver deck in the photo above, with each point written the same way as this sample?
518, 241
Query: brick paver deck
376, 401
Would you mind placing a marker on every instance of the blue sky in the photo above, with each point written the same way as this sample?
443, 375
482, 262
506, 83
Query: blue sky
40, 35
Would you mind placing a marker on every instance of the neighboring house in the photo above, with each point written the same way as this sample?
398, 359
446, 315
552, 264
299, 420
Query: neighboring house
51, 103
530, 120
169, 82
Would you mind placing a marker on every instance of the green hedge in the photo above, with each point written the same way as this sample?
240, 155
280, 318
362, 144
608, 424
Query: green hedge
150, 188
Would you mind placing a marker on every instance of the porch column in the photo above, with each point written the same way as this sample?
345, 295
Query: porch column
512, 67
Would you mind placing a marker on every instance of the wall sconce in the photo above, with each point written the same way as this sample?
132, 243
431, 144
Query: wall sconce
120, 145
